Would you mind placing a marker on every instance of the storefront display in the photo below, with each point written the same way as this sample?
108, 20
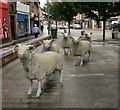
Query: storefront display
23, 19
4, 21
22, 24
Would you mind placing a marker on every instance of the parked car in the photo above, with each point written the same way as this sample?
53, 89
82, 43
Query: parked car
77, 26
63, 27
113, 22
66, 27
54, 26
71, 26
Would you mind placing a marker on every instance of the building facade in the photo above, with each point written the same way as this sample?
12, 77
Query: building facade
4, 22
17, 19
34, 9
23, 20
12, 18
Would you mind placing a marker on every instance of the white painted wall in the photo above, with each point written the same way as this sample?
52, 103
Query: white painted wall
93, 23
22, 7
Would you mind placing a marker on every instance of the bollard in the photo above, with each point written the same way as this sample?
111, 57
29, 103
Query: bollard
65, 31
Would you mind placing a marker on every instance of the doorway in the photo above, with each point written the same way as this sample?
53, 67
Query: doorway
12, 27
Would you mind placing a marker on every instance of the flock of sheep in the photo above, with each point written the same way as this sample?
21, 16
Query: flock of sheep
39, 66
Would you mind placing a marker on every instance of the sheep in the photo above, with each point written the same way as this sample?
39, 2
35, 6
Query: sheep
83, 32
48, 45
38, 66
86, 37
80, 48
66, 44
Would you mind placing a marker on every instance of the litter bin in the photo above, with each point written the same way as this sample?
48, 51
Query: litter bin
114, 34
54, 32
65, 31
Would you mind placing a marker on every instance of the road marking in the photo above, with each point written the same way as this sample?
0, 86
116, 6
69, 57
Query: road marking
80, 75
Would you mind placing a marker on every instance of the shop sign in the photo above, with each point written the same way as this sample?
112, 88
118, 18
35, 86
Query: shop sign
22, 7
4, 4
86, 20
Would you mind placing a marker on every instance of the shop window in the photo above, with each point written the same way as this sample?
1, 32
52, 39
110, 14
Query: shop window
11, 8
21, 28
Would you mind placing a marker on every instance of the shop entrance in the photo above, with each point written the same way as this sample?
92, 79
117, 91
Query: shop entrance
12, 26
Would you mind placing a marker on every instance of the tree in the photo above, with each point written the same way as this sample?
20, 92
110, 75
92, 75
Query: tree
67, 11
62, 11
55, 13
100, 11
53, 9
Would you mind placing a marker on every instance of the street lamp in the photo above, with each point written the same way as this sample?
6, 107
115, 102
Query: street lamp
48, 16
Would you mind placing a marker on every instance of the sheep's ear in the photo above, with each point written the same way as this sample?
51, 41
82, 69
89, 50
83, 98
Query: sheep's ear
52, 40
32, 49
69, 35
80, 38
63, 33
15, 48
71, 38
41, 42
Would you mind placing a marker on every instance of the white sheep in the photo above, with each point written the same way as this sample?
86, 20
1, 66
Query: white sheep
38, 66
80, 48
86, 37
66, 44
48, 45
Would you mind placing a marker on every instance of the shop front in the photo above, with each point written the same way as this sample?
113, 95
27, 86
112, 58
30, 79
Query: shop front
22, 25
4, 23
12, 17
23, 20
87, 23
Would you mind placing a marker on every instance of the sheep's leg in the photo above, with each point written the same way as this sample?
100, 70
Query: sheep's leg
81, 63
64, 51
89, 55
30, 87
70, 51
61, 76
75, 62
39, 89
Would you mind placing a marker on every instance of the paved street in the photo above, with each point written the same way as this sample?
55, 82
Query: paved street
94, 85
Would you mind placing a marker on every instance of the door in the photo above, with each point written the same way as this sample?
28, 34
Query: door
12, 26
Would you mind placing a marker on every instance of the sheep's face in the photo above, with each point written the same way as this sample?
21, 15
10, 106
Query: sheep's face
65, 35
75, 41
23, 50
86, 35
47, 44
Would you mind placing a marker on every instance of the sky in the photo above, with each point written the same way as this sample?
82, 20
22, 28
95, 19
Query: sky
42, 2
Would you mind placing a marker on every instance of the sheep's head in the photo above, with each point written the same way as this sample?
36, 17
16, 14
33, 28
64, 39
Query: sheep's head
65, 35
86, 35
47, 43
23, 50
75, 40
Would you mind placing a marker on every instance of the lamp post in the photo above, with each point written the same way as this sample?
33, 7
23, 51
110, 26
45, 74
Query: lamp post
48, 12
